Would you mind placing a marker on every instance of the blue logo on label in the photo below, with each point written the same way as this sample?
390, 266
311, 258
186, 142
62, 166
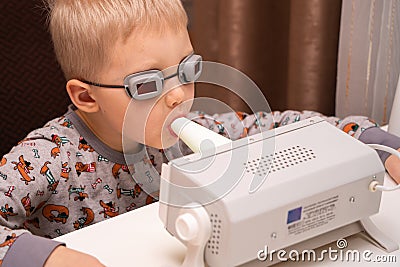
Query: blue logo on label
294, 215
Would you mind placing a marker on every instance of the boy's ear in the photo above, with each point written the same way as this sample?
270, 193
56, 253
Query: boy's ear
81, 95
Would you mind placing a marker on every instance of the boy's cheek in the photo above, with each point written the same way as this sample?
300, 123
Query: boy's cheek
163, 141
147, 122
190, 91
137, 119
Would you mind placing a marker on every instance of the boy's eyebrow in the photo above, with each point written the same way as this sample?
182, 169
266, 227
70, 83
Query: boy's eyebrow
148, 66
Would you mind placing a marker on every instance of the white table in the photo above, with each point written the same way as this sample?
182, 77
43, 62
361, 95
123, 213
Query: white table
138, 238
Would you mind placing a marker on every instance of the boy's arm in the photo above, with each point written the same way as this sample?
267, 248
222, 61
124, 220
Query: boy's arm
392, 165
28, 250
65, 257
375, 135
235, 125
23, 192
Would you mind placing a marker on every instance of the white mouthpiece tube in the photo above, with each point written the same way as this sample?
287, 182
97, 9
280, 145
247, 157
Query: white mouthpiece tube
193, 134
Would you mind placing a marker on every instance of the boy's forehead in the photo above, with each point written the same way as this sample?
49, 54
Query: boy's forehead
145, 39
149, 49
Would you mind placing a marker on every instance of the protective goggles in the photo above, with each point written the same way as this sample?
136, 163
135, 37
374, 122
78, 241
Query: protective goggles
148, 84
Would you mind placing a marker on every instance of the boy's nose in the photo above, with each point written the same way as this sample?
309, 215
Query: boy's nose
175, 97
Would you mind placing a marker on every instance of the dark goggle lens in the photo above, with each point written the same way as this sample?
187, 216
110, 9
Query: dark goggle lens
144, 85
190, 69
147, 87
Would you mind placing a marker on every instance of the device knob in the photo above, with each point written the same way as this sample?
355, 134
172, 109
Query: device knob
187, 227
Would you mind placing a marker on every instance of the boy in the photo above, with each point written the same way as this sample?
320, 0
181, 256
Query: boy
72, 173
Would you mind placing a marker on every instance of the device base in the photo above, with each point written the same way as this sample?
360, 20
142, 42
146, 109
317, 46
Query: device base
365, 226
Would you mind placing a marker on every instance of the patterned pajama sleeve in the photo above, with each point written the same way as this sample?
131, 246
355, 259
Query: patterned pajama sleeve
239, 124
27, 176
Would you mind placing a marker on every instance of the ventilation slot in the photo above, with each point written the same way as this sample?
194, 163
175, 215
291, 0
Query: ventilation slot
280, 160
213, 242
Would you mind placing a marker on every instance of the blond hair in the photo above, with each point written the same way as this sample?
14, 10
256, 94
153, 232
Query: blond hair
84, 32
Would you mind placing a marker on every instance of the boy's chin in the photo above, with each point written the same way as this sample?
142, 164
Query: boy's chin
164, 144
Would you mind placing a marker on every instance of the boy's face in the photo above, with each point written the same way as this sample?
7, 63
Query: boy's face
146, 121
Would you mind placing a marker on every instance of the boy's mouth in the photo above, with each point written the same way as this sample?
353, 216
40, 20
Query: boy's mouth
172, 132
169, 125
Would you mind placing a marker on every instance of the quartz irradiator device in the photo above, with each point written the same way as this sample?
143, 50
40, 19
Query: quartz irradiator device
299, 186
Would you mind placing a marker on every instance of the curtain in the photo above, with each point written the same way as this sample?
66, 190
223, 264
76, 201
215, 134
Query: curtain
369, 58
288, 47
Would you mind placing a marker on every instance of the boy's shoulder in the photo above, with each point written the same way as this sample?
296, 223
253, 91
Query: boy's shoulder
54, 130
57, 132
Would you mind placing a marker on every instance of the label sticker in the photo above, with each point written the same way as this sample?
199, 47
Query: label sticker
312, 216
